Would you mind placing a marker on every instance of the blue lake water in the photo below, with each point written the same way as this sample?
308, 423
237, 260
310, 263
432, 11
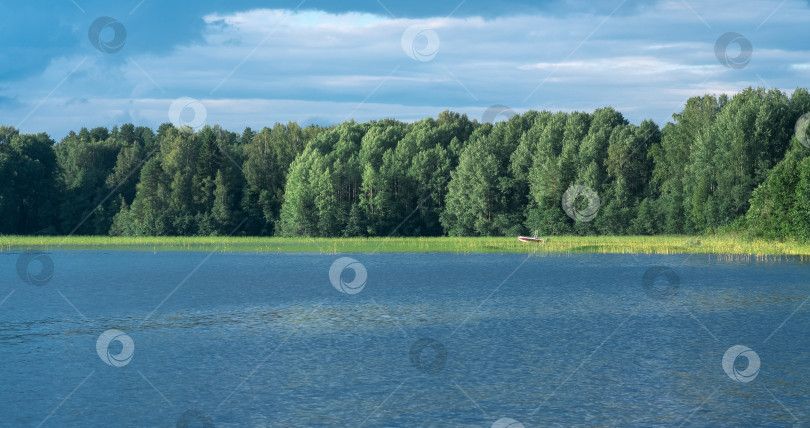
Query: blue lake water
428, 340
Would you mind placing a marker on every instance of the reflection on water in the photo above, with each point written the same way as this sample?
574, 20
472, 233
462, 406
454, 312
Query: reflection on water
266, 340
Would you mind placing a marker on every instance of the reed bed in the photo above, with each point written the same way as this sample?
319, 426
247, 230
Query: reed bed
735, 247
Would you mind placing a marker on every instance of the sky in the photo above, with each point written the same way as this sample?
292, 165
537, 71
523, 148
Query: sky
68, 64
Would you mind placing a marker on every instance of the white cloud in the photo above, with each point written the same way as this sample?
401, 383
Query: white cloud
630, 66
237, 113
260, 66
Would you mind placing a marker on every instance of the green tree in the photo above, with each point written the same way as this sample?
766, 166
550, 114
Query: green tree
473, 198
29, 171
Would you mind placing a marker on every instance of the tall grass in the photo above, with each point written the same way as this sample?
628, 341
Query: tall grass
728, 244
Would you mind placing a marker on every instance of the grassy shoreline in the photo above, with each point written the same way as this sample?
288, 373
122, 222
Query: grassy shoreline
716, 244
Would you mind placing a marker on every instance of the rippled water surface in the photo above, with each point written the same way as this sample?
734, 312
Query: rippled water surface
430, 340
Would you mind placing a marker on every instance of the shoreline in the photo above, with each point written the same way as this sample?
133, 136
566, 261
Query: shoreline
723, 245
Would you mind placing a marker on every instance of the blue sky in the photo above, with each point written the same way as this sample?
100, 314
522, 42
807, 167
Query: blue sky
254, 63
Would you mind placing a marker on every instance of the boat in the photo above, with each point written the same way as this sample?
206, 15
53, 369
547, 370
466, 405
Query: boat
532, 238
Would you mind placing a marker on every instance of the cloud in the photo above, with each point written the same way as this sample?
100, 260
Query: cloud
630, 67
237, 113
259, 66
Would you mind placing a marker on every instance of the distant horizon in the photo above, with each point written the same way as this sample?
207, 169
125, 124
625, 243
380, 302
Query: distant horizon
496, 112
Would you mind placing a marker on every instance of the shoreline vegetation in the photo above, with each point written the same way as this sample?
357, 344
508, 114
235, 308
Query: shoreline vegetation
723, 165
724, 246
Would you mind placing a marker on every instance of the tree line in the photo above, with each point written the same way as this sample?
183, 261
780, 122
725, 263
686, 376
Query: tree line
722, 163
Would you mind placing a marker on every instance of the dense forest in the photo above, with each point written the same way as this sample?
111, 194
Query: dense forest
722, 163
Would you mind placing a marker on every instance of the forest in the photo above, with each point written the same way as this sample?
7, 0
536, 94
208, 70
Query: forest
721, 164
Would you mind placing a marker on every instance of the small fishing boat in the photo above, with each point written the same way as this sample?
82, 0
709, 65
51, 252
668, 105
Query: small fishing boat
532, 238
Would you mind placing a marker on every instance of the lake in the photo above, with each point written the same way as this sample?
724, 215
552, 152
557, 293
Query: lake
435, 340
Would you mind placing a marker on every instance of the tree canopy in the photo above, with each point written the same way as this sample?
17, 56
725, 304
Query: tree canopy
722, 162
